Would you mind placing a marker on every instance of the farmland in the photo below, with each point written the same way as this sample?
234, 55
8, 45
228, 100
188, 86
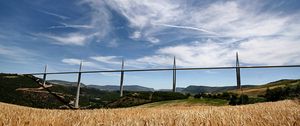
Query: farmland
285, 112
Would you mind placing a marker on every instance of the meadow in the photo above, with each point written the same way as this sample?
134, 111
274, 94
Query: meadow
279, 113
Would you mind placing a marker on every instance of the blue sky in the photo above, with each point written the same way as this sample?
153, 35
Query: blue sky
147, 34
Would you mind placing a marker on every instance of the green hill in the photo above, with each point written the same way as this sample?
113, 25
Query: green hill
26, 90
194, 89
14, 89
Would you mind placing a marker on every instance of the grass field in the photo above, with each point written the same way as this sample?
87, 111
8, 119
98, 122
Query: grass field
273, 113
186, 102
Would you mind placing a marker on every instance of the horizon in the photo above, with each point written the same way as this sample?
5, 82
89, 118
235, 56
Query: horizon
148, 34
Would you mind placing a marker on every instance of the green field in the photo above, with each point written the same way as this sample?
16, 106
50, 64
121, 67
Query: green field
188, 102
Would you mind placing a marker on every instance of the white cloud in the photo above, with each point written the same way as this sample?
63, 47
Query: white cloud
113, 43
55, 15
153, 40
136, 35
233, 20
222, 18
150, 61
93, 25
257, 31
99, 16
200, 54
69, 39
73, 61
64, 25
270, 51
258, 51
188, 27
142, 14
107, 59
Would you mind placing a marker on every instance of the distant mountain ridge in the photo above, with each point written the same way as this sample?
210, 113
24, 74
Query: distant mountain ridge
65, 83
178, 89
116, 87
103, 87
193, 89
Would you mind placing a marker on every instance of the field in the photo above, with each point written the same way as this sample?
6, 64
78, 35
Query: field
187, 103
273, 113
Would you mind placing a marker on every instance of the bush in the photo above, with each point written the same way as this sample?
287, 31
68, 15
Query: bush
233, 100
243, 99
161, 96
281, 93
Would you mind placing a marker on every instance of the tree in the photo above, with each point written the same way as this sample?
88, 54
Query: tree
233, 100
243, 99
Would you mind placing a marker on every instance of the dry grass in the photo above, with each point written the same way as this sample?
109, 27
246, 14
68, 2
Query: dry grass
276, 113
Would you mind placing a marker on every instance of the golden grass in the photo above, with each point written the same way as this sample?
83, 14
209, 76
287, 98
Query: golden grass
273, 113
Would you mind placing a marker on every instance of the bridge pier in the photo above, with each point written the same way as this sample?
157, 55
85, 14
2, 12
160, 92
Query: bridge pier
45, 75
238, 72
174, 75
122, 79
78, 87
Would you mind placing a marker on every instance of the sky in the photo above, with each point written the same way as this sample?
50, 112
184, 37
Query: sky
148, 34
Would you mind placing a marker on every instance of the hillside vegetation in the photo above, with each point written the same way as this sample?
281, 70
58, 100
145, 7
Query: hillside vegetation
27, 91
261, 89
282, 113
9, 93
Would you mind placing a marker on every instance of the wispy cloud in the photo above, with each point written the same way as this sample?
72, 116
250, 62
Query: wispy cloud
17, 54
107, 59
232, 20
64, 25
187, 27
257, 51
69, 39
91, 65
141, 15
55, 15
221, 18
74, 61
270, 51
136, 35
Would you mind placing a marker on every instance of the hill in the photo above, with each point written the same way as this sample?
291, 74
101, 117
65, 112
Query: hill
265, 114
27, 90
103, 87
14, 89
261, 89
252, 90
65, 83
193, 89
